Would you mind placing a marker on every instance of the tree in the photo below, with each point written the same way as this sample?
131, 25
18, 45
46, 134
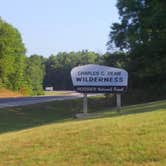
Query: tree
34, 73
116, 59
12, 57
58, 67
141, 34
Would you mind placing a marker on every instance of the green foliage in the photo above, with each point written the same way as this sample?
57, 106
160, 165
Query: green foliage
34, 73
141, 34
116, 59
58, 67
12, 57
17, 72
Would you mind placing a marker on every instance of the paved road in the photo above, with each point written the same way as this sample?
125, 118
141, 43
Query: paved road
20, 101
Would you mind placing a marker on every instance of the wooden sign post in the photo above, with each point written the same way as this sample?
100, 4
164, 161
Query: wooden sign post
118, 101
85, 104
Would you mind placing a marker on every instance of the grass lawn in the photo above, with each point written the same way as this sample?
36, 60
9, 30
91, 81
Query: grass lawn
47, 135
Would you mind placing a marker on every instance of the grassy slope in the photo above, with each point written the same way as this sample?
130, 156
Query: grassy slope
137, 136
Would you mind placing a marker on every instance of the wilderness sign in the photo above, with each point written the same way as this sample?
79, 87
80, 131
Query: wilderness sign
99, 79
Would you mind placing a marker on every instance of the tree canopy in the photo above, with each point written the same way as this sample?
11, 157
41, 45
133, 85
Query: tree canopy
141, 34
34, 73
12, 57
18, 72
58, 67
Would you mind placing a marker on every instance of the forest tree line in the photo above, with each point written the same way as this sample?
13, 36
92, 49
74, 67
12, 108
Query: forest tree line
139, 39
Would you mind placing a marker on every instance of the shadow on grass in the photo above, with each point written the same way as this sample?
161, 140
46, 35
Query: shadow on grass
136, 109
18, 118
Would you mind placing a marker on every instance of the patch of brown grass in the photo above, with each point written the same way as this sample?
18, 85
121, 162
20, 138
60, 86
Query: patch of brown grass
4, 93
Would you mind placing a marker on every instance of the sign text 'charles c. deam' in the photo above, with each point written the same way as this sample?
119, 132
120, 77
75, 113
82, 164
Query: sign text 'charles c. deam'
99, 79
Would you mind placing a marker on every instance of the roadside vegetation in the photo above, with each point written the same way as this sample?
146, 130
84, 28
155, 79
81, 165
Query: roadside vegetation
8, 93
45, 134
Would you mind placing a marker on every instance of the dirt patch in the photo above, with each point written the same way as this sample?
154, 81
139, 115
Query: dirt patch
4, 93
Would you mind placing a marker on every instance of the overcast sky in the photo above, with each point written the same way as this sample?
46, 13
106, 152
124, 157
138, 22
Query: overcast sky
51, 26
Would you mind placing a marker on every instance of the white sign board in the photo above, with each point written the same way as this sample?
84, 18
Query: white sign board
99, 79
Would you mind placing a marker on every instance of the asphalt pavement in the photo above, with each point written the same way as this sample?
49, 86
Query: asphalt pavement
20, 101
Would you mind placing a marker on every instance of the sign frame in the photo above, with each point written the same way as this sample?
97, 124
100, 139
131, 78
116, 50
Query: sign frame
93, 78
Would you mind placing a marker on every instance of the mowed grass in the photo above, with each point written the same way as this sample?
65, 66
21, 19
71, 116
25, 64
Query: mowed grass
50, 136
